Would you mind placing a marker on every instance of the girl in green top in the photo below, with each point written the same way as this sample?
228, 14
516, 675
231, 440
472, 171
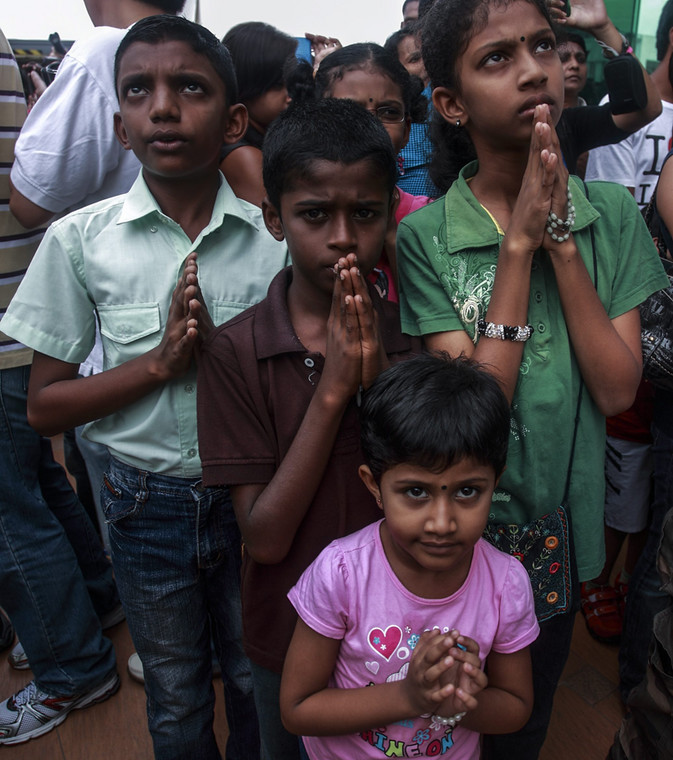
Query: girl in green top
516, 268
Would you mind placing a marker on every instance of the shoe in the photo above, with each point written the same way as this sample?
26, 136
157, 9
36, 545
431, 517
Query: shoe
601, 612
135, 668
18, 658
31, 712
6, 631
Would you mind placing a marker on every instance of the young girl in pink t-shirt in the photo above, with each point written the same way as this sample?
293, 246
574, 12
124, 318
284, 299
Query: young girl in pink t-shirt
398, 621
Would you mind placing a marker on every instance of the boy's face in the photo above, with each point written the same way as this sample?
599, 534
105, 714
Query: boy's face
172, 110
336, 210
432, 521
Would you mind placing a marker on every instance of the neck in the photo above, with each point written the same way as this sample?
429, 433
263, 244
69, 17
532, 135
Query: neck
660, 78
122, 13
309, 310
571, 100
189, 202
497, 183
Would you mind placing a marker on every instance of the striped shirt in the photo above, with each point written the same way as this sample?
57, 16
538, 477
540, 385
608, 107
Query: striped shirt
17, 245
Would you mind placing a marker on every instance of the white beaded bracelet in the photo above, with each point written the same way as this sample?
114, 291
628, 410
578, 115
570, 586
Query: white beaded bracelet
448, 721
564, 227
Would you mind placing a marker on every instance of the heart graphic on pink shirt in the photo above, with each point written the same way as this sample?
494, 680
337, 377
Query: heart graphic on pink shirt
385, 642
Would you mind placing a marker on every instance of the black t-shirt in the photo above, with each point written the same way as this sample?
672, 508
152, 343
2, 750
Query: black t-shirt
586, 127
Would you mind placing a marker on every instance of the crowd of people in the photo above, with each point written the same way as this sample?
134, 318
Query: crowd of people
334, 337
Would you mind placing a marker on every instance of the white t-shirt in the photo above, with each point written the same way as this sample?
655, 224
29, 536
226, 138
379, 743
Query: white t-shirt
635, 161
67, 155
351, 593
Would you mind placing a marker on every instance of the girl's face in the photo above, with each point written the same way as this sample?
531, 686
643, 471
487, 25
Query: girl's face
509, 67
263, 109
409, 53
574, 61
373, 89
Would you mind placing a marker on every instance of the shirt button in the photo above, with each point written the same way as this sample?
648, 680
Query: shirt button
154, 229
538, 297
191, 453
189, 389
309, 362
541, 328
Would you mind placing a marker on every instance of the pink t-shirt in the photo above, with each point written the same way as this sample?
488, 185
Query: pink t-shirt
351, 593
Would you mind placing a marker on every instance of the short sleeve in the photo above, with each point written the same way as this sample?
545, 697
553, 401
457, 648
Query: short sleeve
424, 306
613, 163
321, 596
517, 626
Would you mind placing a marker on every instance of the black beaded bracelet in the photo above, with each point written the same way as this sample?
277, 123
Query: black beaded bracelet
516, 333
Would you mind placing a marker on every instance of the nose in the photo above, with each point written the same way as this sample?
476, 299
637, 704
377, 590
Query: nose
532, 72
442, 519
164, 105
342, 234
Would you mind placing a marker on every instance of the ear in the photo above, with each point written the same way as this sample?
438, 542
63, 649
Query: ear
372, 486
237, 123
272, 219
120, 131
449, 105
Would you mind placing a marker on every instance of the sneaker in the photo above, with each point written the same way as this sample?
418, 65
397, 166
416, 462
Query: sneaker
135, 668
6, 631
18, 658
31, 712
600, 608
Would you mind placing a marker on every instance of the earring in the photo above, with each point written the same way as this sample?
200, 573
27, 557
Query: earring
378, 500
457, 122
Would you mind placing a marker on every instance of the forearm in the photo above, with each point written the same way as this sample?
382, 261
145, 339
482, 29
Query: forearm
498, 712
610, 367
334, 712
269, 524
66, 401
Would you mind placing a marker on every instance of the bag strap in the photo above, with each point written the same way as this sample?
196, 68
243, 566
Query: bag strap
566, 491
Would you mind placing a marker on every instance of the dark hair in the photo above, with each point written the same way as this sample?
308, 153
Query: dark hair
663, 29
432, 411
392, 44
563, 37
259, 52
369, 55
164, 28
446, 32
423, 7
167, 6
328, 129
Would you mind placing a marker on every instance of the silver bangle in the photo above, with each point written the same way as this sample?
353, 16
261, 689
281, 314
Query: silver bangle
439, 720
517, 333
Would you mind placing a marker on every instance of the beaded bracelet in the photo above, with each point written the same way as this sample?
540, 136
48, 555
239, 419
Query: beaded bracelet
439, 720
516, 333
564, 227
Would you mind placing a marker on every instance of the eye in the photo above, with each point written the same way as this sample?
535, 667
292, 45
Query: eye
467, 492
390, 114
313, 214
132, 90
416, 492
546, 45
193, 87
492, 59
364, 213
564, 56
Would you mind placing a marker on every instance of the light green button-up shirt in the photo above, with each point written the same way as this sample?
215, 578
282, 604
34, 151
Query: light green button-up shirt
119, 261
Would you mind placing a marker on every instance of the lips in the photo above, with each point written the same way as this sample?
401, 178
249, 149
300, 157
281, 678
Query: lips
167, 140
528, 107
433, 547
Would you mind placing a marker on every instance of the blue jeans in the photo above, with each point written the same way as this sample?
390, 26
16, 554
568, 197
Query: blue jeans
176, 550
645, 599
277, 742
54, 578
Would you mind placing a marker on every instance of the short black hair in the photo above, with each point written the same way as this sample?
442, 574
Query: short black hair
562, 37
423, 7
168, 6
328, 129
260, 52
433, 411
164, 28
663, 29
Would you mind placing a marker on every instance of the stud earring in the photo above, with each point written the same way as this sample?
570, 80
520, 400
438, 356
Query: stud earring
457, 122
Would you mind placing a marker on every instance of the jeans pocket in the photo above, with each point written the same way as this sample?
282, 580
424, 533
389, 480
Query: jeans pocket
118, 502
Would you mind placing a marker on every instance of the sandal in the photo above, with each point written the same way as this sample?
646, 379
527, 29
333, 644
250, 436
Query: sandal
600, 608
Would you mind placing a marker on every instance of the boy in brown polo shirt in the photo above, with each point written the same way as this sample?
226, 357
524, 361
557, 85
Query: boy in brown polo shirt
279, 384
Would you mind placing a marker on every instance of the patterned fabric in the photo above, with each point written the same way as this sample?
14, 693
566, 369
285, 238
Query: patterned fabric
17, 245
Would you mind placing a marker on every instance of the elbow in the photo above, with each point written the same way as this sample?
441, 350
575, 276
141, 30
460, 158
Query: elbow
266, 551
41, 422
612, 404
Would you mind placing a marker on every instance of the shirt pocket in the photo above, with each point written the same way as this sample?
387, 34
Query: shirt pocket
223, 311
128, 330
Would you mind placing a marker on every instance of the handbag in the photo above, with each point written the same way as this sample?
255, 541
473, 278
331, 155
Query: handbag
543, 545
656, 313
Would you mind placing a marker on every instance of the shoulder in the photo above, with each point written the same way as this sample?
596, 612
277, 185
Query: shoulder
97, 47
90, 219
426, 218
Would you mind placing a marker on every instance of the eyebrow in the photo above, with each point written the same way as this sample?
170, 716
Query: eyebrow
513, 41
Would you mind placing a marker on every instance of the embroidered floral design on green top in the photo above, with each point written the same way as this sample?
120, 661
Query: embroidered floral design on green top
469, 287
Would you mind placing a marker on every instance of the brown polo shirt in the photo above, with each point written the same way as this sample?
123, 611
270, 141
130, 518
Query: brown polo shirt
255, 383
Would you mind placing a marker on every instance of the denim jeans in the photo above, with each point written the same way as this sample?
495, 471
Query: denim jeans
645, 599
176, 550
277, 742
54, 578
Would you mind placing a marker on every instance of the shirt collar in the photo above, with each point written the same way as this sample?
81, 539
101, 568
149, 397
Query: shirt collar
139, 202
469, 225
275, 335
